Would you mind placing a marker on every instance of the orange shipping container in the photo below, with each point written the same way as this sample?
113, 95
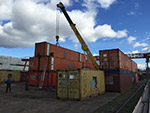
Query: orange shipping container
33, 63
47, 49
137, 78
114, 59
134, 67
117, 81
33, 78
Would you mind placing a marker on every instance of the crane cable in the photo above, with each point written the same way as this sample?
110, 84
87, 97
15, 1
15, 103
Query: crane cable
57, 25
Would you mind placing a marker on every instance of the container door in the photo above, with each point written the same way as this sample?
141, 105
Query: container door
73, 85
62, 84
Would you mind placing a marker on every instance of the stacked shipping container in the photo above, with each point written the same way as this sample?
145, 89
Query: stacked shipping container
120, 71
49, 58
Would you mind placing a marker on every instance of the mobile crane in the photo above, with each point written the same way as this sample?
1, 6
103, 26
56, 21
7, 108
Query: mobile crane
83, 44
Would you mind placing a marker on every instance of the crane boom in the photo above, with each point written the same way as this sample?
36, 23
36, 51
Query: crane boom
83, 44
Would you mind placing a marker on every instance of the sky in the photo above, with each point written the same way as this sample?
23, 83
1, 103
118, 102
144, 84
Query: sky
103, 24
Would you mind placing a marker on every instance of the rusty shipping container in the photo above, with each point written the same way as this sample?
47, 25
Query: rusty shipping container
47, 79
42, 79
114, 59
118, 80
79, 84
24, 75
53, 64
34, 63
47, 49
33, 79
134, 67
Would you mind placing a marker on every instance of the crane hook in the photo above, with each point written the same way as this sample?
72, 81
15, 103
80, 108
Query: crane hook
57, 39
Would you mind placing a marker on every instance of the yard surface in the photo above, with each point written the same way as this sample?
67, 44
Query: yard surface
44, 101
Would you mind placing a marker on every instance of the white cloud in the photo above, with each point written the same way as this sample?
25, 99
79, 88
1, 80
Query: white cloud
146, 50
106, 3
95, 54
137, 44
131, 13
141, 66
32, 22
130, 39
6, 9
136, 51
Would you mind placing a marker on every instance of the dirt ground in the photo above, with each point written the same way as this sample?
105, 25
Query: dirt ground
44, 101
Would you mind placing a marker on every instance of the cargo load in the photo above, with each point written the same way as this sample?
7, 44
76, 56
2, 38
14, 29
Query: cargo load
79, 84
116, 59
42, 79
119, 80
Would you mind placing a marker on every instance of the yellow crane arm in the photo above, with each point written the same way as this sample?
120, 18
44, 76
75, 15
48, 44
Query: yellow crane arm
83, 44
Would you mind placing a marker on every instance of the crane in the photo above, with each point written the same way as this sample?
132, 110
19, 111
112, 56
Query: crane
83, 44
141, 55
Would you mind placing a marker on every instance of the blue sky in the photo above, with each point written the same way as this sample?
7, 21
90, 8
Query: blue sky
104, 24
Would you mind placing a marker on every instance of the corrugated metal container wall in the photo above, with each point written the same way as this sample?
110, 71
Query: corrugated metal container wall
117, 81
79, 84
66, 64
60, 52
57, 58
137, 78
52, 79
114, 59
46, 49
41, 49
14, 76
24, 75
134, 67
47, 79
34, 63
33, 78
125, 80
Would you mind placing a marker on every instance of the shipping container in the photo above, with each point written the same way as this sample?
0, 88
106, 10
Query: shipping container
15, 76
114, 59
79, 84
34, 63
24, 75
118, 80
52, 79
137, 77
48, 49
33, 79
134, 67
55, 57
42, 79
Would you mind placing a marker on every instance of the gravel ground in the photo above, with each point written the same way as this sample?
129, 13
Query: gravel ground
44, 100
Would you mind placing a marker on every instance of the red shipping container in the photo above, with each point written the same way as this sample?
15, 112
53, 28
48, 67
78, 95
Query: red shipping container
24, 75
114, 59
137, 77
41, 49
66, 64
34, 63
134, 67
52, 79
47, 49
43, 79
47, 79
117, 81
33, 78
